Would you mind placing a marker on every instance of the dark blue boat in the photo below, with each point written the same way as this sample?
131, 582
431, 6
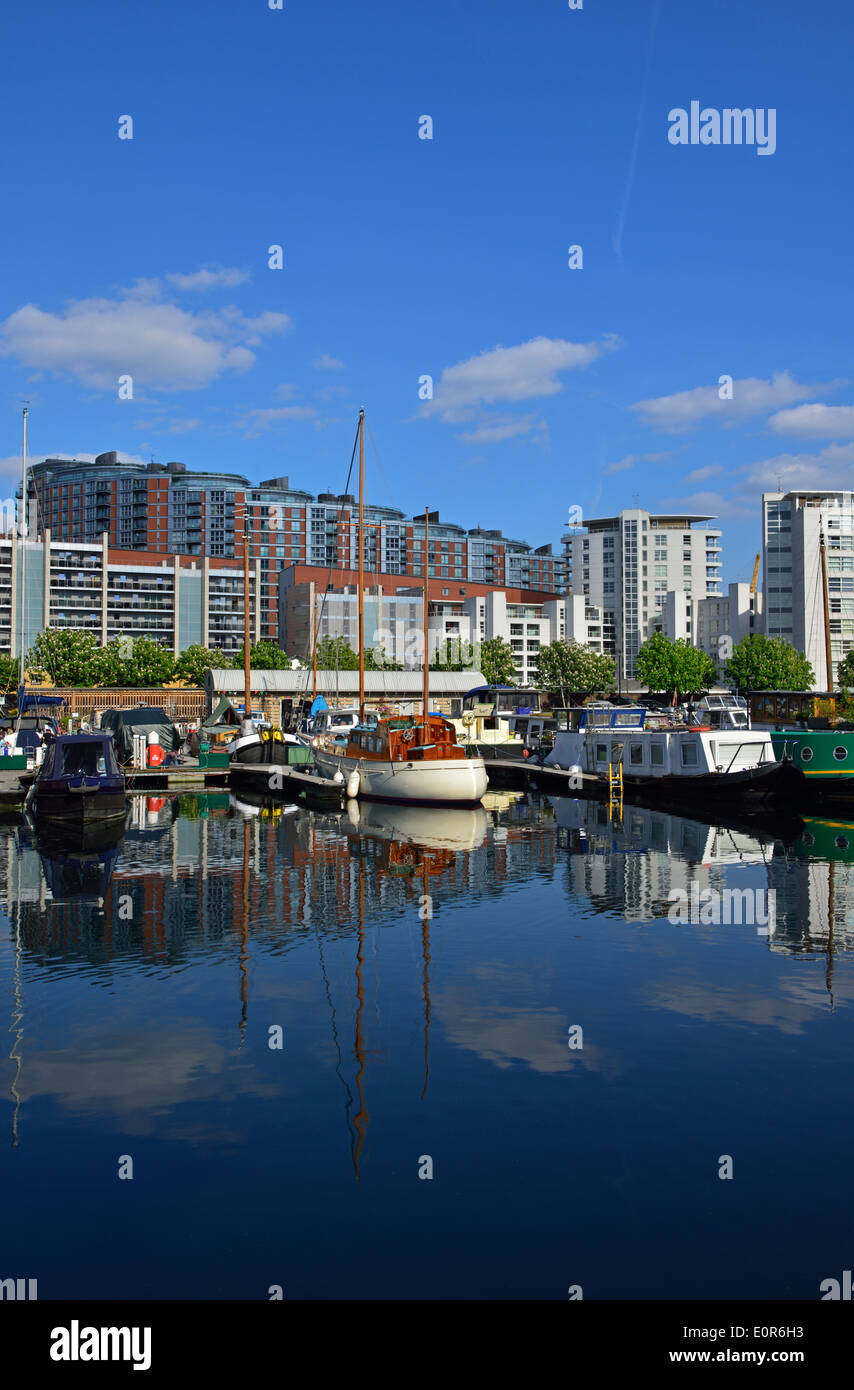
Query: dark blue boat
79, 781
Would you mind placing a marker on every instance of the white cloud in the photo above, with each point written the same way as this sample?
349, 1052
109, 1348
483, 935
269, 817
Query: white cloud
160, 345
209, 278
815, 422
255, 422
715, 504
508, 427
510, 374
325, 363
698, 474
628, 462
831, 468
750, 396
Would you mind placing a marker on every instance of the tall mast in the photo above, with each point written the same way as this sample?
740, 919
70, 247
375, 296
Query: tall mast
247, 680
24, 529
314, 654
426, 608
827, 655
361, 568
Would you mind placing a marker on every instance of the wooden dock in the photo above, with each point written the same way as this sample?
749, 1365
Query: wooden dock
295, 786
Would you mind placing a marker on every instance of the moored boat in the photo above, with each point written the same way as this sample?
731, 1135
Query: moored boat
405, 760
79, 781
662, 756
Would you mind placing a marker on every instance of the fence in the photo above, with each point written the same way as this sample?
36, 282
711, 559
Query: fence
180, 706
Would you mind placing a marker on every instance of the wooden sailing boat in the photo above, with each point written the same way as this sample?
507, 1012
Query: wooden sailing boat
401, 759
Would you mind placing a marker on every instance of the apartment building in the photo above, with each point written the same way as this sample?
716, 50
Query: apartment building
793, 524
624, 566
177, 600
715, 624
167, 509
394, 617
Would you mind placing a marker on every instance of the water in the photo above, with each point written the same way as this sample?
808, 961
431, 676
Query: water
140, 989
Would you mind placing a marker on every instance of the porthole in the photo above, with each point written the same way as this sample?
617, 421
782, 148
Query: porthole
840, 753
841, 842
806, 755
807, 838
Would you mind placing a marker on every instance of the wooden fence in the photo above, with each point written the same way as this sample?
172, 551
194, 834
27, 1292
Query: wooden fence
180, 705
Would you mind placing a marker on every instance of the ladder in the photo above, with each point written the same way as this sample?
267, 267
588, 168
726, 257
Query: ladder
615, 784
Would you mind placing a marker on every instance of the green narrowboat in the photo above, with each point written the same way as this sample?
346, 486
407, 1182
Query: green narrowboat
825, 757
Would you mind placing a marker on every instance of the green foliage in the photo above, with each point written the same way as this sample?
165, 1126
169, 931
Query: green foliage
769, 663
667, 666
335, 654
268, 656
495, 659
570, 670
845, 674
194, 663
64, 655
147, 664
10, 671
454, 655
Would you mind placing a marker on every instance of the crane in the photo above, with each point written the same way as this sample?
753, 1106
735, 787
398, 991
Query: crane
755, 578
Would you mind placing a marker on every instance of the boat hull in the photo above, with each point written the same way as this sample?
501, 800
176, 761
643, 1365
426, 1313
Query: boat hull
768, 781
79, 808
441, 782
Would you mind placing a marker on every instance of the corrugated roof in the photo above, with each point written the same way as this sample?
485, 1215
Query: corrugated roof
407, 683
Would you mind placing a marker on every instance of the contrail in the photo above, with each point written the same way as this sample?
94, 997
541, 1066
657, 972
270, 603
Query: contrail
618, 239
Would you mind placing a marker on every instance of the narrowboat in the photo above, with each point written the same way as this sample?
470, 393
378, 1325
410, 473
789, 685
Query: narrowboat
660, 755
825, 757
79, 781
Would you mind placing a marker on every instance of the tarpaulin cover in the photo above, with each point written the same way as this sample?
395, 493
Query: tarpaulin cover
145, 719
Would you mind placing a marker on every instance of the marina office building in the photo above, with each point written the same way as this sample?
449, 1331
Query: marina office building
792, 525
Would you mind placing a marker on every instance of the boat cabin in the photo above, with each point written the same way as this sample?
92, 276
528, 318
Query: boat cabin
651, 745
721, 712
336, 723
405, 740
73, 756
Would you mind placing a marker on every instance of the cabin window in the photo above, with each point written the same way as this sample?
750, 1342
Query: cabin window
840, 753
806, 755
636, 753
601, 753
689, 755
656, 754
841, 842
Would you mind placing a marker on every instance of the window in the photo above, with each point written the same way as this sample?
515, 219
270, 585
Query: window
636, 753
656, 754
689, 755
601, 753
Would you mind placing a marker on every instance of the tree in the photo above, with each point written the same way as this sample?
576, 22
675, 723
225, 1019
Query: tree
268, 656
108, 664
572, 669
674, 667
194, 663
768, 663
335, 654
495, 658
147, 664
10, 672
64, 655
845, 672
453, 655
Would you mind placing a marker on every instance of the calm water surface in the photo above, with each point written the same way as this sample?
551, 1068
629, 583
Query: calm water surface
139, 988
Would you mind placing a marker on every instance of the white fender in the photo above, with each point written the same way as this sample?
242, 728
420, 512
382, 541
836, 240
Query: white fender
339, 776
353, 782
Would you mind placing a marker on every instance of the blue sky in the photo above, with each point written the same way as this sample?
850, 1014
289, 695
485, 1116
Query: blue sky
595, 387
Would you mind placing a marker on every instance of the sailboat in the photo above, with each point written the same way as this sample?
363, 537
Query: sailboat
401, 759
